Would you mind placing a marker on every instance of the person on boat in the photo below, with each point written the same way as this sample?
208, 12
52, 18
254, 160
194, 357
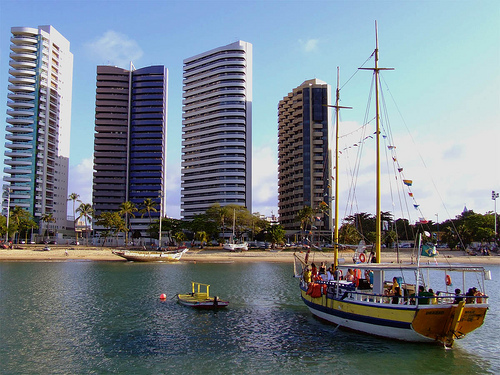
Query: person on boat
458, 298
433, 301
424, 296
396, 295
471, 293
322, 269
314, 270
395, 285
350, 275
307, 275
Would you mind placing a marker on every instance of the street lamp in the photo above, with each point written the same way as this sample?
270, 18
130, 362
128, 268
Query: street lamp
494, 196
7, 190
437, 234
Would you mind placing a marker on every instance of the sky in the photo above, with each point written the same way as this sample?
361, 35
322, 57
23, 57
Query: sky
443, 96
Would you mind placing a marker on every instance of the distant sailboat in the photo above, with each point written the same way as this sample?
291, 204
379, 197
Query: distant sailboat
232, 246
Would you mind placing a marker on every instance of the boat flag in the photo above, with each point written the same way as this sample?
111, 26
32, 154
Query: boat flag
421, 220
429, 250
400, 170
394, 159
410, 194
391, 147
416, 205
408, 182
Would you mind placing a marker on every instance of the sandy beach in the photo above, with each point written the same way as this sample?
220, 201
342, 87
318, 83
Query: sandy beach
217, 255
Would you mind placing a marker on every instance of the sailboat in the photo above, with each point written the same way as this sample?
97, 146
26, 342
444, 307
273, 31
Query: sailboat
232, 246
408, 302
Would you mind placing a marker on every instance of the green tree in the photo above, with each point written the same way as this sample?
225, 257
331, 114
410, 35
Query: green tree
202, 237
126, 209
275, 235
86, 211
112, 222
74, 197
305, 217
47, 219
148, 206
17, 215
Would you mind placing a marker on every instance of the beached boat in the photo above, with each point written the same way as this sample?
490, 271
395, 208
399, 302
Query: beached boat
151, 256
200, 298
232, 245
235, 246
409, 302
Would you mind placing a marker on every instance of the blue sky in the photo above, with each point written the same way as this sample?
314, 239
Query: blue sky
446, 82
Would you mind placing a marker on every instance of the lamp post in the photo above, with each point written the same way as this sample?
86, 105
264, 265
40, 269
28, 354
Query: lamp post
494, 196
161, 214
7, 190
437, 234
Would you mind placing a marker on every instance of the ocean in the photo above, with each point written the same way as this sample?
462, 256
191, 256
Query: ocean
87, 317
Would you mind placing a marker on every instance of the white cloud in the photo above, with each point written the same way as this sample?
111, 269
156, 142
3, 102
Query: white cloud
265, 180
80, 181
309, 45
114, 48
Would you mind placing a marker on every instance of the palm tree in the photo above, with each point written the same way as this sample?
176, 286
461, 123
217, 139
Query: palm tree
86, 211
47, 218
148, 205
304, 216
127, 208
17, 214
74, 197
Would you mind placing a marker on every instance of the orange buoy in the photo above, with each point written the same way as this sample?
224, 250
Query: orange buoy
447, 279
362, 257
163, 296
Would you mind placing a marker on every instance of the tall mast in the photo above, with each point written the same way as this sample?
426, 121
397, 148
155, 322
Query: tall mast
336, 196
378, 221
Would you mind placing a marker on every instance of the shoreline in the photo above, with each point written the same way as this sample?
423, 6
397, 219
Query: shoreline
217, 255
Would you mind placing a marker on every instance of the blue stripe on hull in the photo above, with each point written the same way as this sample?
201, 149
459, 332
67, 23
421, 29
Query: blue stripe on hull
358, 318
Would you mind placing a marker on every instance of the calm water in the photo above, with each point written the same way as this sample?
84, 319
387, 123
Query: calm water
92, 317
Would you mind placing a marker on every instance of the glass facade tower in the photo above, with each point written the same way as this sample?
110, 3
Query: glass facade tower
130, 139
38, 123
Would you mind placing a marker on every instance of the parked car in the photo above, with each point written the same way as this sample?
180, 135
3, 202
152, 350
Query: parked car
75, 243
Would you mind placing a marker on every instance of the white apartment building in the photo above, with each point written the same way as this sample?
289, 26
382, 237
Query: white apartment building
38, 123
217, 129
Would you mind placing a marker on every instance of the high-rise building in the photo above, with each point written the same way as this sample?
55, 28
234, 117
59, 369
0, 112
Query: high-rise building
130, 140
39, 123
217, 129
304, 154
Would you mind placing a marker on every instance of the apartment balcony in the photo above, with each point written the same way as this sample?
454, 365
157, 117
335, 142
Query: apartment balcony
23, 88
23, 64
19, 138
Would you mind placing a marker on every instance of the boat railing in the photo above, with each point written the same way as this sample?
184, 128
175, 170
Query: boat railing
345, 290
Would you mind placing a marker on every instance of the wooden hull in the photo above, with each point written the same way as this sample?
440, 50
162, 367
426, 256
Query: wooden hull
150, 256
201, 304
424, 323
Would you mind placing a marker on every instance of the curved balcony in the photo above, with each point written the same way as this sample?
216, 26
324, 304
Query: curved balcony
18, 138
18, 88
18, 146
20, 96
22, 64
23, 39
22, 80
17, 163
18, 112
22, 72
19, 121
22, 56
16, 171
23, 48
11, 154
16, 179
19, 129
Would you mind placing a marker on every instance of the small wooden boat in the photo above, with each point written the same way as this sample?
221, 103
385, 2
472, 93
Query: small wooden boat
152, 256
199, 298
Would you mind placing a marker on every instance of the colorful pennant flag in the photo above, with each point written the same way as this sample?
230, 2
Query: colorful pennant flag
408, 182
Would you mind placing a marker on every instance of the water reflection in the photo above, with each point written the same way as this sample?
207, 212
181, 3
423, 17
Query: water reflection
81, 317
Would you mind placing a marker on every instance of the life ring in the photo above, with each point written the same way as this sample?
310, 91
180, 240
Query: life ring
447, 279
362, 257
